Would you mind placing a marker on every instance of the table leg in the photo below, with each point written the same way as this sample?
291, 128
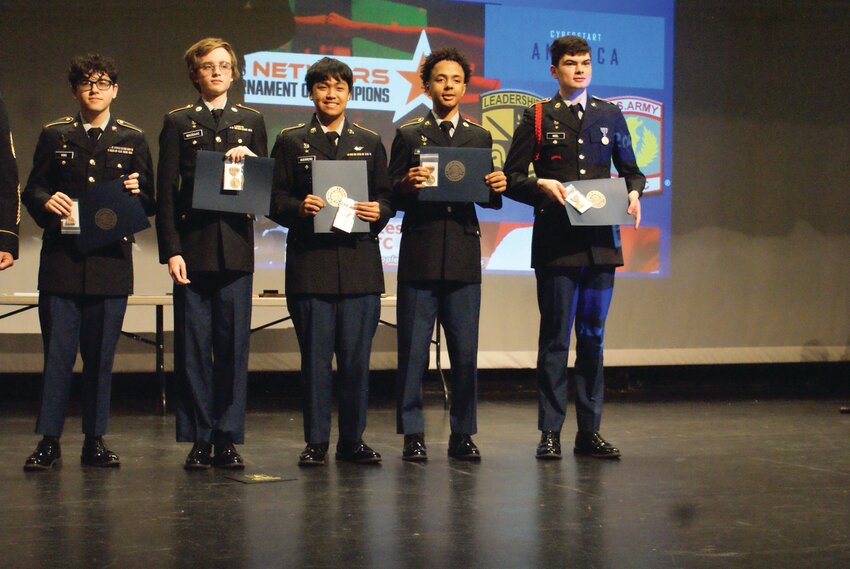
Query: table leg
160, 358
439, 345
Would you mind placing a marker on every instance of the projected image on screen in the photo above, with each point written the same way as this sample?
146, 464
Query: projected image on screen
384, 43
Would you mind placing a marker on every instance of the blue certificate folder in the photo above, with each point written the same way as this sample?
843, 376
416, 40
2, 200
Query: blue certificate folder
461, 175
334, 180
109, 213
609, 209
209, 192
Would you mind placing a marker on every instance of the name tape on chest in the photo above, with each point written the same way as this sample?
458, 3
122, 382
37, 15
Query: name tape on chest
189, 135
64, 154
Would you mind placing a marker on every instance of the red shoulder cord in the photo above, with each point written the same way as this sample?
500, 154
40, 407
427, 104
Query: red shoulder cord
538, 129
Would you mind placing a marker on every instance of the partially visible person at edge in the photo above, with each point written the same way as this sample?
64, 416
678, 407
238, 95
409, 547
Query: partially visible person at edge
10, 196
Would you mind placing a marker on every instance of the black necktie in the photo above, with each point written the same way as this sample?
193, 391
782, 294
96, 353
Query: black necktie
446, 127
577, 110
94, 133
216, 113
333, 136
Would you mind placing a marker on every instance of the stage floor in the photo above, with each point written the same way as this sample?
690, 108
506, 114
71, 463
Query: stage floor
701, 484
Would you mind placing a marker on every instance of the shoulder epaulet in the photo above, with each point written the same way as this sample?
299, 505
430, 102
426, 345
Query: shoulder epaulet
129, 125
472, 122
63, 120
411, 123
288, 128
241, 106
183, 108
602, 100
366, 129
542, 101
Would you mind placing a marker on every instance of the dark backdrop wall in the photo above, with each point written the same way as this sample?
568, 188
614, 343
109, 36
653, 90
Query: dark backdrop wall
762, 155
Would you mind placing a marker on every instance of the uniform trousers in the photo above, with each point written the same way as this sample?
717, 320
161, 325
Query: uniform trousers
212, 330
343, 325
564, 295
92, 324
458, 306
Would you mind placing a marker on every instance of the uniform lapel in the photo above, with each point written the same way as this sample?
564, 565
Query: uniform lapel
561, 112
431, 130
202, 115
591, 115
76, 135
108, 138
347, 141
317, 139
231, 115
463, 133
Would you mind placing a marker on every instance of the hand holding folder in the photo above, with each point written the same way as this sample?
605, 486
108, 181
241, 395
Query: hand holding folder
108, 213
218, 188
458, 174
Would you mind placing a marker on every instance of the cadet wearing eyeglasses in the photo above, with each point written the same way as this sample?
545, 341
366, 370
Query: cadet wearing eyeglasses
83, 297
210, 257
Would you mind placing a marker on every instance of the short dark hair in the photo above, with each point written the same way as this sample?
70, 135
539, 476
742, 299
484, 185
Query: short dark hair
568, 45
445, 54
329, 68
82, 66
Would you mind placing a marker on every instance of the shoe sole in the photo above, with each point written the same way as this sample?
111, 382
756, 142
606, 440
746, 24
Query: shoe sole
548, 456
467, 457
352, 461
311, 463
39, 468
415, 458
592, 455
114, 464
197, 466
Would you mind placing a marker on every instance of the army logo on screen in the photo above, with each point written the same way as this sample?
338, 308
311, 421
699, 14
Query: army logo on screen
597, 199
335, 195
105, 219
455, 171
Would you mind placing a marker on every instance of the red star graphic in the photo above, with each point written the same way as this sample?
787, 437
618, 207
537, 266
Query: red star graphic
415, 81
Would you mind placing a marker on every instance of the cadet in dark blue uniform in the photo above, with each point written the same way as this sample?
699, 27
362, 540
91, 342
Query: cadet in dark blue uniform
210, 257
571, 137
83, 298
439, 269
10, 200
333, 280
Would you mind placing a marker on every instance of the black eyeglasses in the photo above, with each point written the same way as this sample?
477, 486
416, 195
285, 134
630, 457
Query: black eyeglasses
102, 84
208, 67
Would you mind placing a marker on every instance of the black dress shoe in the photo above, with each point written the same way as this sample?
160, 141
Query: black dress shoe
414, 448
550, 445
227, 457
47, 454
358, 453
462, 447
314, 454
95, 453
200, 457
591, 444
